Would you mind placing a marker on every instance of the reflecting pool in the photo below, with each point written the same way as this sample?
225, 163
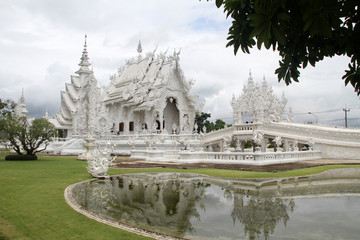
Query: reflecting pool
324, 206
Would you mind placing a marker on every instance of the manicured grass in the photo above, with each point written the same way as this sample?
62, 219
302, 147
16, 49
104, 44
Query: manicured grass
32, 204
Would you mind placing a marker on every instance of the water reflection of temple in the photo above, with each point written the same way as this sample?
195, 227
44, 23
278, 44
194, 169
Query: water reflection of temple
155, 203
170, 203
259, 214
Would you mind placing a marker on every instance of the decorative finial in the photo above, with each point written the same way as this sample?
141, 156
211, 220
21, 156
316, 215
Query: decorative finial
22, 98
46, 113
139, 48
84, 64
84, 57
250, 79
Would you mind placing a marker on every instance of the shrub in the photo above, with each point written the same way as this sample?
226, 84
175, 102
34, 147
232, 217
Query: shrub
20, 157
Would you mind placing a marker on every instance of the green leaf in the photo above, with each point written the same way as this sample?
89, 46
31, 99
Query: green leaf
219, 3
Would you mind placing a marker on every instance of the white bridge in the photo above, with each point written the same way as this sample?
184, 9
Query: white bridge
296, 142
274, 137
342, 143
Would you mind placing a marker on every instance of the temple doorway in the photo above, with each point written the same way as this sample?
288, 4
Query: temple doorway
171, 115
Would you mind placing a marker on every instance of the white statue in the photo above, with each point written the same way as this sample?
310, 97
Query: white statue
295, 146
204, 129
196, 128
258, 137
310, 142
226, 143
99, 160
277, 141
174, 128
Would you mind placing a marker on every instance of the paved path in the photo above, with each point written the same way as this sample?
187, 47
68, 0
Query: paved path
126, 162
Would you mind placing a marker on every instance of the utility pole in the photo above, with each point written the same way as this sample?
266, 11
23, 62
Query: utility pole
346, 110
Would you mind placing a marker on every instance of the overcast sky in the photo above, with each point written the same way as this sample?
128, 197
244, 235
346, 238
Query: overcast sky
41, 43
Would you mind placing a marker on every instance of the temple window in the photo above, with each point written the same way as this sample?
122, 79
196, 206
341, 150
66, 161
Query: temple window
131, 126
121, 127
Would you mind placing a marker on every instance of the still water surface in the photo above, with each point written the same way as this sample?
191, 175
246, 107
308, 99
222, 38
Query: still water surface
199, 207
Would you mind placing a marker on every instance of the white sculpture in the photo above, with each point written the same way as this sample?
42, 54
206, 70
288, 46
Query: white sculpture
131, 141
99, 160
258, 137
204, 129
277, 141
310, 143
226, 143
196, 128
295, 146
174, 128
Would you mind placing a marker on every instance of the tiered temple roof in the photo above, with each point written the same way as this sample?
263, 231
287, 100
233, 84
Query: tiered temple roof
70, 97
141, 82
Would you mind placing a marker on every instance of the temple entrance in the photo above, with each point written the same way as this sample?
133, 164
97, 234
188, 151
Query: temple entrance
158, 125
171, 116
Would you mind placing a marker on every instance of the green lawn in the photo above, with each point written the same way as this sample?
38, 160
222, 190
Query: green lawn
32, 204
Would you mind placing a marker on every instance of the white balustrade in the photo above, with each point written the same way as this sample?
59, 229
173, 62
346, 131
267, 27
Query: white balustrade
248, 157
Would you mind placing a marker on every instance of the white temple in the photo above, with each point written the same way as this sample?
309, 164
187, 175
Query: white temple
151, 94
148, 94
147, 112
20, 108
260, 103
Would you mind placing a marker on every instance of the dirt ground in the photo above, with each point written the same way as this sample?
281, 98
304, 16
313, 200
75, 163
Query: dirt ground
126, 162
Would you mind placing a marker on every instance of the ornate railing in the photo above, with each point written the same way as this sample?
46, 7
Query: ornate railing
318, 134
126, 137
248, 157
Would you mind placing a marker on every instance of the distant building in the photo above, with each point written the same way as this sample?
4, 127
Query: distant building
20, 108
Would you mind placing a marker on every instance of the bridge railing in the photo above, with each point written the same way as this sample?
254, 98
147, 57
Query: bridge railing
247, 157
126, 137
319, 134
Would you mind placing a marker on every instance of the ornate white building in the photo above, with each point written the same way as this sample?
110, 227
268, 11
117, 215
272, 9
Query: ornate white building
150, 111
149, 94
260, 103
20, 108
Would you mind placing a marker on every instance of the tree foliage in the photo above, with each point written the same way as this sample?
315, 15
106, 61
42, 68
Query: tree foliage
303, 31
202, 120
24, 137
6, 107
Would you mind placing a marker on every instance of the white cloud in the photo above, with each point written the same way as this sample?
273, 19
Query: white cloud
42, 41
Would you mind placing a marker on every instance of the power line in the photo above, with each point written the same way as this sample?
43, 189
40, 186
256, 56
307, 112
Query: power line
328, 111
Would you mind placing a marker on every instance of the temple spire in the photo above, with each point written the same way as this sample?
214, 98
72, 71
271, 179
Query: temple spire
250, 79
22, 98
20, 108
139, 48
46, 114
84, 64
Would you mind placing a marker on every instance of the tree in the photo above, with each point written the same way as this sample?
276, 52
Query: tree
6, 107
24, 137
303, 32
201, 119
219, 124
